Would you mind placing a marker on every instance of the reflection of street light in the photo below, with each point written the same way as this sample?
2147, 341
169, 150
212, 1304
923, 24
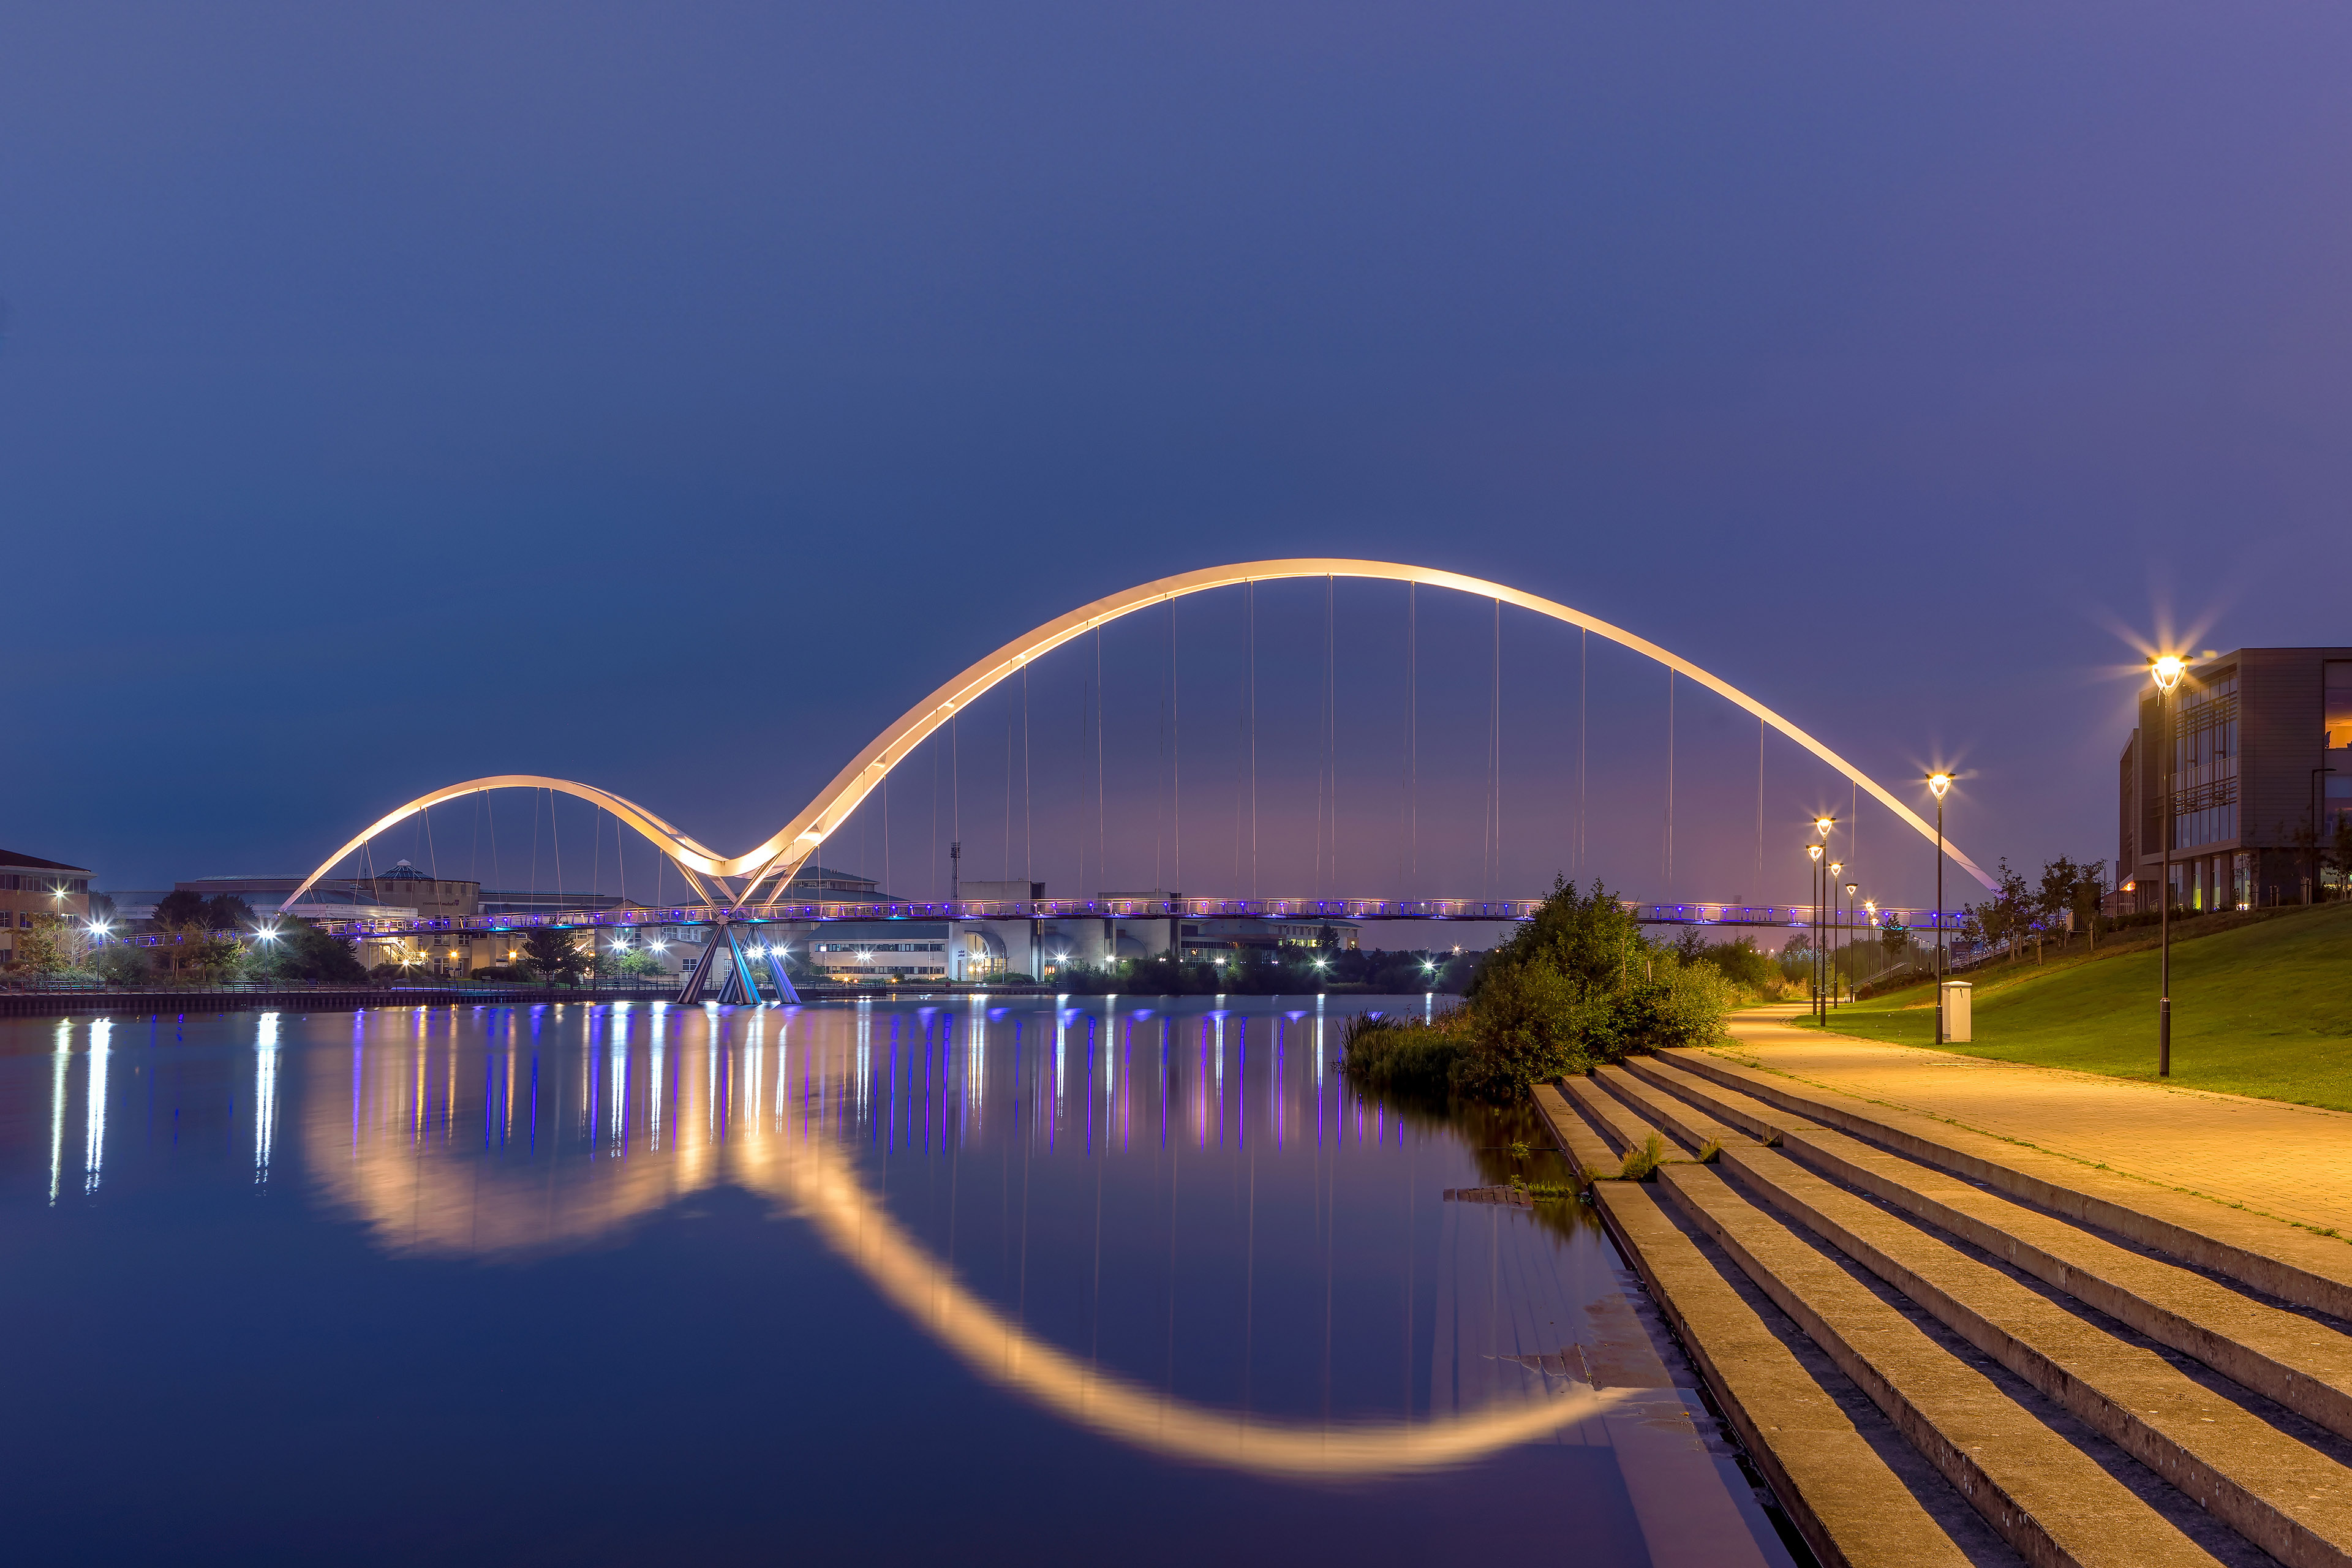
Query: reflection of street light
2165, 672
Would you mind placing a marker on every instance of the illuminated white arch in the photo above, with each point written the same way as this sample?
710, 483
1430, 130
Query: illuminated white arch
785, 851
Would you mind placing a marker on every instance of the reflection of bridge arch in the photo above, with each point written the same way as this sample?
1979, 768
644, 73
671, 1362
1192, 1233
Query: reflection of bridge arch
789, 846
434, 1205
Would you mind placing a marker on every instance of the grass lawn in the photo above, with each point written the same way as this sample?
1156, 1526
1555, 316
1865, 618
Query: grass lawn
2262, 1009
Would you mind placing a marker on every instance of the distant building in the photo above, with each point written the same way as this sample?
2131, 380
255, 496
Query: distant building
821, 884
31, 886
2261, 767
1209, 936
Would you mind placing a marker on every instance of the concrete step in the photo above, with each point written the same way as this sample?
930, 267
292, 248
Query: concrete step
2303, 1366
2265, 1254
1624, 1131
2050, 1500
1848, 1503
1586, 1150
2287, 1499
1845, 1501
2053, 1502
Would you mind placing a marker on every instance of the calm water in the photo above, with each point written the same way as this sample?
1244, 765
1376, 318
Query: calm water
1139, 1282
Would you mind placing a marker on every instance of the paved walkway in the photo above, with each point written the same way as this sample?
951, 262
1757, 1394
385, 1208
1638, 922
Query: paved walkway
2291, 1162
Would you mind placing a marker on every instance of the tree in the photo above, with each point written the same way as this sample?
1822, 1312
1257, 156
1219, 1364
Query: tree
222, 912
549, 955
2056, 897
179, 908
122, 966
307, 953
200, 953
50, 946
2007, 916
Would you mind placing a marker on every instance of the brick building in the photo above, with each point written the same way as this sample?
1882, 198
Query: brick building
31, 886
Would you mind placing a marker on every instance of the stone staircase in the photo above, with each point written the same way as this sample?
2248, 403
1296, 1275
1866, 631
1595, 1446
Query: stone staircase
1941, 1348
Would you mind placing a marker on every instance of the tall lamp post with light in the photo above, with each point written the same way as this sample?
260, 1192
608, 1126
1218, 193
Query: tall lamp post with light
1830, 873
1813, 851
1937, 785
1851, 890
2165, 672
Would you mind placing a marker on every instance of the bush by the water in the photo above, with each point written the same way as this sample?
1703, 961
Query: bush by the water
1576, 987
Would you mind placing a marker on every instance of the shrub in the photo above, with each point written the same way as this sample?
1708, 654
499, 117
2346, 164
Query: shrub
125, 968
1400, 1054
1643, 1163
1576, 987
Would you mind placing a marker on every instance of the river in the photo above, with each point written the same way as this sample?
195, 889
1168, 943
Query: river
1129, 1279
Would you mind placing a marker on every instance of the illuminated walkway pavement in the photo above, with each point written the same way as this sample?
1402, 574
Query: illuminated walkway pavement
2291, 1162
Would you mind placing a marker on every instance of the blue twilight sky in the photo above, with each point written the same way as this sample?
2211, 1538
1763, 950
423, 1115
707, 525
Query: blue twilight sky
667, 396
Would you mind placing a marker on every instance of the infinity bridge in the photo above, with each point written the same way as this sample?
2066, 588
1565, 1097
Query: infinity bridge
729, 888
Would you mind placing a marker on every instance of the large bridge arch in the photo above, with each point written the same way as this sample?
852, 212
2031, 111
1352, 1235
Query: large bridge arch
784, 851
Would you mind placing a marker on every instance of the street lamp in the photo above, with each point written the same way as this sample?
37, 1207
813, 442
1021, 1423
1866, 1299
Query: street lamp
1851, 889
1835, 869
1938, 783
1813, 851
2165, 672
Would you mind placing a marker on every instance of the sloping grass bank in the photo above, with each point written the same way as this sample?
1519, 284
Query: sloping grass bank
2262, 1009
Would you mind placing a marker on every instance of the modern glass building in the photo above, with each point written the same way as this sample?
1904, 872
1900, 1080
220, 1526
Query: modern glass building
2258, 760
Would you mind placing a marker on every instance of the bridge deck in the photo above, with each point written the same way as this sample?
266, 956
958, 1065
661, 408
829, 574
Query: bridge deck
1782, 916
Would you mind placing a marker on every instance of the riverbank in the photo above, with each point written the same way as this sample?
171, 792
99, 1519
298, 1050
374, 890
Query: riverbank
1945, 1298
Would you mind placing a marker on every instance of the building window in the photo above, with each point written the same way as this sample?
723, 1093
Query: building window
2205, 765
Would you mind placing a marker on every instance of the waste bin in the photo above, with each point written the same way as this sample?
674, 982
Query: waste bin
1956, 1012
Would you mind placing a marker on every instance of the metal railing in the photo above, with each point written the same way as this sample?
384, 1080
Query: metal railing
1306, 909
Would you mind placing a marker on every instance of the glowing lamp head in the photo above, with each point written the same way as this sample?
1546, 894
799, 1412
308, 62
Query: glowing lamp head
2167, 672
1851, 889
1822, 825
1938, 783
1813, 850
1837, 869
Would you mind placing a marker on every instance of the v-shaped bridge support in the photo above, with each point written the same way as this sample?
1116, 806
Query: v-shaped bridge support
737, 990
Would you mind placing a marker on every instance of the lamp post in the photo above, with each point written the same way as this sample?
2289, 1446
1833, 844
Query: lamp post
1851, 890
2165, 672
1835, 869
1814, 852
1937, 785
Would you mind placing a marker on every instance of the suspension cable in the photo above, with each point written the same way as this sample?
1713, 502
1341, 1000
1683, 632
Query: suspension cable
1028, 842
1102, 829
1413, 731
1175, 758
1583, 661
1252, 607
1008, 792
1670, 783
